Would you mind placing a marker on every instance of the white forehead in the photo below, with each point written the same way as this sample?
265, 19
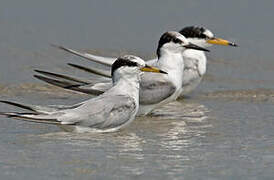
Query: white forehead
136, 59
174, 33
179, 36
208, 33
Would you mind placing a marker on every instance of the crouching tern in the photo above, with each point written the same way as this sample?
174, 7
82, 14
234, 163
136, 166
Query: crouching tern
155, 90
108, 112
194, 67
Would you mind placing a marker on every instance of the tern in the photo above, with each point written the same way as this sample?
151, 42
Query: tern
195, 63
111, 111
155, 90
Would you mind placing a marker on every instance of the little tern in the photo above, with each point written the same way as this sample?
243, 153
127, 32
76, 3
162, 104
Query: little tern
154, 90
111, 111
195, 61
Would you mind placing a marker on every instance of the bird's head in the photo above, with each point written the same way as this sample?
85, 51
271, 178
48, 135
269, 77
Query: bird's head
203, 37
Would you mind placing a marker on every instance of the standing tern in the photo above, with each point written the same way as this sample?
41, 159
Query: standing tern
108, 112
194, 61
154, 90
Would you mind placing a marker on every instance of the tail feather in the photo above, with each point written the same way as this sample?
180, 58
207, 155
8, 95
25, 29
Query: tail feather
23, 106
69, 85
41, 109
98, 59
32, 117
35, 108
91, 70
61, 76
59, 83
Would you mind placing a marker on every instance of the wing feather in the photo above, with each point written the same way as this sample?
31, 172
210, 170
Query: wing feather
154, 88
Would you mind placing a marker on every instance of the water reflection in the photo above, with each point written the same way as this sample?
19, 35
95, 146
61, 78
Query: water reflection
124, 147
182, 109
165, 138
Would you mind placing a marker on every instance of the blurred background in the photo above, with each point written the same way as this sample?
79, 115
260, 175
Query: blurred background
29, 26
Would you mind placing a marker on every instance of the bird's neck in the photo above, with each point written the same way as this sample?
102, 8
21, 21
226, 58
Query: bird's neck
173, 63
198, 56
169, 60
127, 85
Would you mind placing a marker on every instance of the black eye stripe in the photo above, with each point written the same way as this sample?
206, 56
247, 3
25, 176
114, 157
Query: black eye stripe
194, 32
122, 62
166, 38
176, 40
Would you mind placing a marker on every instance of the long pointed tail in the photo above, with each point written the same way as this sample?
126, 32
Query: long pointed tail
70, 85
32, 117
92, 70
35, 108
98, 59
61, 76
41, 114
41, 109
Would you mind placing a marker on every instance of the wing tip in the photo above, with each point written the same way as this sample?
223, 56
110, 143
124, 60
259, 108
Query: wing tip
56, 46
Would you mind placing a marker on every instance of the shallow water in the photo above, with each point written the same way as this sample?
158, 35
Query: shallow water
192, 138
223, 130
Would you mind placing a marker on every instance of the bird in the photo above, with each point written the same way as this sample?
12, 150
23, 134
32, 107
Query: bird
155, 91
195, 62
114, 109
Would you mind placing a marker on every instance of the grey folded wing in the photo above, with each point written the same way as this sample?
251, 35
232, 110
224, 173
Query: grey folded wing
102, 112
191, 71
155, 88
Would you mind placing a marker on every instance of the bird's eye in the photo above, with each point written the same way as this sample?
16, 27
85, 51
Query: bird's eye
206, 37
176, 40
203, 36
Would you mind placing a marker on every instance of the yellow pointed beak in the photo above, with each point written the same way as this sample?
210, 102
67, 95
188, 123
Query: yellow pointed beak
152, 69
219, 41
